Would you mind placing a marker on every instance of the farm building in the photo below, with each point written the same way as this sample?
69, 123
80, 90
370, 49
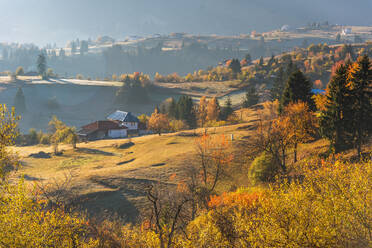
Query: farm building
102, 129
119, 124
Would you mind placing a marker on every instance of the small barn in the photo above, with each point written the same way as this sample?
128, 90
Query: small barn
102, 129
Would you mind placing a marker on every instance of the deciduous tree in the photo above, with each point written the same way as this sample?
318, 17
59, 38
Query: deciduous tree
158, 122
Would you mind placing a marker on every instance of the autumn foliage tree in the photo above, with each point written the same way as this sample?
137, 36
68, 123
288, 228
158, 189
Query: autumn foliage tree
298, 123
202, 111
8, 134
213, 109
158, 122
61, 133
347, 116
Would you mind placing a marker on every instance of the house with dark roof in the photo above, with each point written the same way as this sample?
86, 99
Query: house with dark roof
126, 119
102, 129
119, 124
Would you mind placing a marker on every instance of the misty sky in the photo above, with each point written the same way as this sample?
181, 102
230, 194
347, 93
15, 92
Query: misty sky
49, 21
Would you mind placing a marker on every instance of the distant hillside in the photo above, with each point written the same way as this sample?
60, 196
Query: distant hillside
177, 52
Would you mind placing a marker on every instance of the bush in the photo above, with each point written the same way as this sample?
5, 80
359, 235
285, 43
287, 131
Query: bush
45, 139
178, 125
263, 169
20, 71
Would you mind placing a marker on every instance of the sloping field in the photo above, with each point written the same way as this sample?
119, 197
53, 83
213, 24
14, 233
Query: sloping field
110, 177
111, 180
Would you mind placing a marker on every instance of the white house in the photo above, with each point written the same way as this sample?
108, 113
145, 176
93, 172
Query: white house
126, 119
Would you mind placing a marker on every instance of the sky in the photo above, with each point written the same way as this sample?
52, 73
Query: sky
57, 21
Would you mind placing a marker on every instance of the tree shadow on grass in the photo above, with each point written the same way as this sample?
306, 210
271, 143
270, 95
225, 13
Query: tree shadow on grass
126, 162
108, 205
119, 201
94, 151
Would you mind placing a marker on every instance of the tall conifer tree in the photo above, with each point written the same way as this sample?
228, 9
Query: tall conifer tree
297, 88
335, 120
359, 83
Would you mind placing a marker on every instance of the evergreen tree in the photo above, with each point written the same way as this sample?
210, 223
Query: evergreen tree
172, 111
19, 101
297, 88
41, 65
186, 111
359, 83
335, 119
251, 97
291, 68
277, 90
235, 67
227, 110
261, 61
248, 58
271, 61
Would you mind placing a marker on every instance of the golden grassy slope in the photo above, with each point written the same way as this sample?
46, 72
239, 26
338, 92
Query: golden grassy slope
109, 179
113, 180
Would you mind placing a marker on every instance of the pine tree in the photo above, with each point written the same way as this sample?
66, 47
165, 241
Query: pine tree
248, 58
271, 61
186, 111
251, 97
359, 83
19, 101
297, 88
172, 111
335, 120
291, 68
41, 65
261, 61
277, 90
235, 67
227, 110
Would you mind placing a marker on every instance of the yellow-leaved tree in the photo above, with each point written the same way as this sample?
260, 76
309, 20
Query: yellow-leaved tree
298, 123
8, 134
158, 122
25, 219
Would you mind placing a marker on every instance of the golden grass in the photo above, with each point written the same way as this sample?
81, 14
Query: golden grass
113, 179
